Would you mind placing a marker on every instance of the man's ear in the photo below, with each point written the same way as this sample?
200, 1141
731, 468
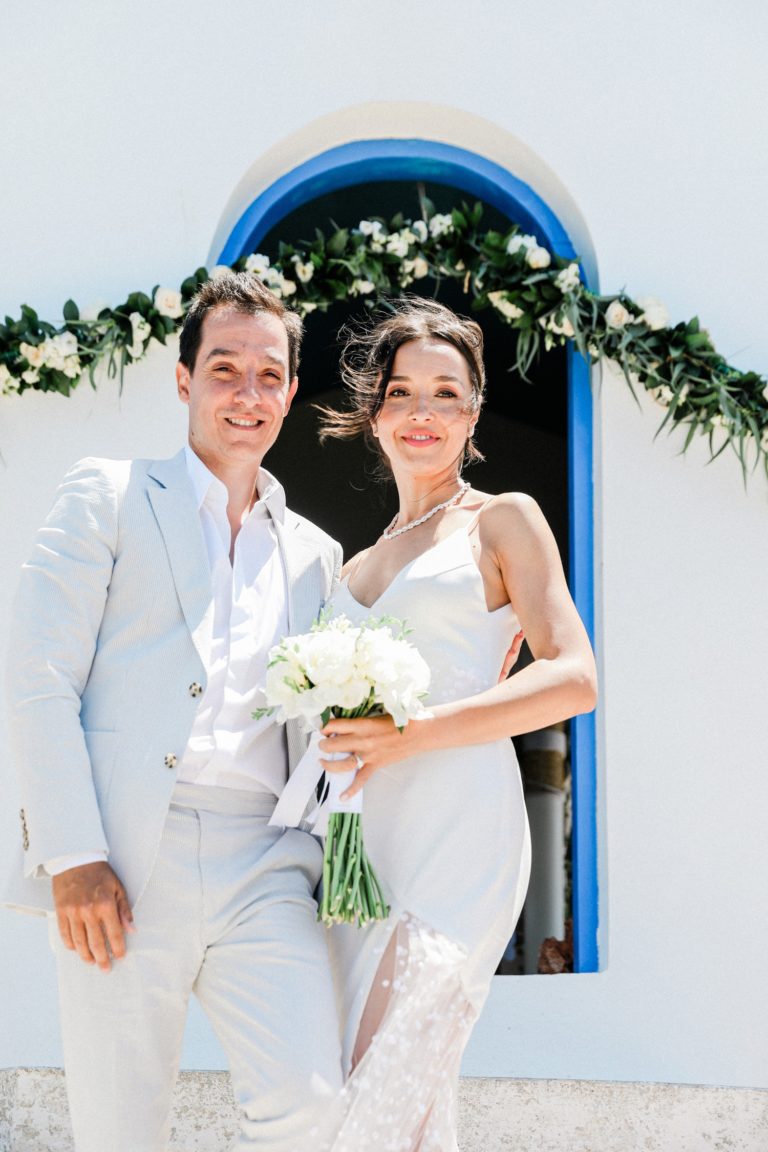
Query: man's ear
292, 388
182, 382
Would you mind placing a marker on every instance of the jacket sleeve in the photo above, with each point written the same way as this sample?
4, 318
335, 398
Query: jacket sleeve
53, 638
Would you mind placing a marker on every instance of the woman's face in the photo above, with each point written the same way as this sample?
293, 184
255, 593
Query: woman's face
426, 415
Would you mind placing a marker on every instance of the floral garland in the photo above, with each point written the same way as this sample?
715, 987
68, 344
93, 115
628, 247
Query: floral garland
541, 296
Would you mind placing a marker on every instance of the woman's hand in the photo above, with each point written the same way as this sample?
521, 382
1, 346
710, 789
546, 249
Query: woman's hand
370, 743
511, 657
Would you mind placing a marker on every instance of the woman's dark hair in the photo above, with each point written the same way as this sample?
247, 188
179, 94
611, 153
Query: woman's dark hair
242, 292
368, 356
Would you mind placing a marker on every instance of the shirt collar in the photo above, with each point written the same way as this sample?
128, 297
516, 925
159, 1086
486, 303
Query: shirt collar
271, 494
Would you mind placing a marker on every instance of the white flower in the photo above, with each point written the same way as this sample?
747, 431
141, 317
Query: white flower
765, 392
8, 382
440, 225
275, 280
506, 307
257, 263
218, 271
168, 303
371, 228
420, 268
361, 287
306, 306
662, 395
519, 241
398, 244
31, 376
72, 367
304, 272
34, 354
655, 313
564, 328
537, 257
568, 279
616, 315
141, 331
420, 230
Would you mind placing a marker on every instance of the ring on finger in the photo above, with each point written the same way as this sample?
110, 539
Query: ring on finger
359, 762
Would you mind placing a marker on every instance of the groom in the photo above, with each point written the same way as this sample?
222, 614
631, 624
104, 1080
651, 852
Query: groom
140, 634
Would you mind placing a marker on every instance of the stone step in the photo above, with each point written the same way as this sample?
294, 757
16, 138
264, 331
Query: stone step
495, 1115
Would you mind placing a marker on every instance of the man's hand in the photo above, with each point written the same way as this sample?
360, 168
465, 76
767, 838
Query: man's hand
93, 913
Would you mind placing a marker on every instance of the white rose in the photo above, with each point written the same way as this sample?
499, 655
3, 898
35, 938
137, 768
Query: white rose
52, 354
420, 230
420, 268
616, 315
65, 343
288, 286
33, 354
506, 307
568, 279
257, 263
537, 257
168, 303
31, 376
520, 241
361, 287
440, 225
304, 272
655, 313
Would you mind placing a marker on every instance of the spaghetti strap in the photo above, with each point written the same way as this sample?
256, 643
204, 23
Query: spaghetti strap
473, 522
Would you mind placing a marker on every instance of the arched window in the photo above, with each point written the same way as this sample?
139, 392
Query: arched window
354, 170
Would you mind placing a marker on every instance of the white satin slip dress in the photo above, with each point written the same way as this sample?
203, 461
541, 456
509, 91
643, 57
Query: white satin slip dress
447, 833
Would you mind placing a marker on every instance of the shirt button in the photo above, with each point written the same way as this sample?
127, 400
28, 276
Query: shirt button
195, 689
170, 760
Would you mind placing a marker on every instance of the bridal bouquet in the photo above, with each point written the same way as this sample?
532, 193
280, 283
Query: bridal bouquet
344, 670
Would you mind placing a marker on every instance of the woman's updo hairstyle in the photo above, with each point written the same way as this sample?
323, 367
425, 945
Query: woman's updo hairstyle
369, 353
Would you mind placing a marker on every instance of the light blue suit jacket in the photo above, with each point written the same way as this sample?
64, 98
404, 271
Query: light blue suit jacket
110, 634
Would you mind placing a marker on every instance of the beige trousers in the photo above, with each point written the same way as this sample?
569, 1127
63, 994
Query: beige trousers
228, 914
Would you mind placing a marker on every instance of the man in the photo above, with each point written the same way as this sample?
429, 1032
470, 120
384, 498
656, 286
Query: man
140, 635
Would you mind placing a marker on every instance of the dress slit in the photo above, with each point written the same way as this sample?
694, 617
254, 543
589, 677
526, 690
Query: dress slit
401, 1093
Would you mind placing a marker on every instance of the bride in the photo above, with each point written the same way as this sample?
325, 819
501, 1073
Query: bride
443, 811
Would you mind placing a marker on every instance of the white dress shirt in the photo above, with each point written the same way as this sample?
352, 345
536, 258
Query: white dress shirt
227, 747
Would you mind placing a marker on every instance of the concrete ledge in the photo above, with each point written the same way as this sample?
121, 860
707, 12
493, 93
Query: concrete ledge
503, 1115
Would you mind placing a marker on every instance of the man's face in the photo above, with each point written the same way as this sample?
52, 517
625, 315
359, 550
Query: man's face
239, 391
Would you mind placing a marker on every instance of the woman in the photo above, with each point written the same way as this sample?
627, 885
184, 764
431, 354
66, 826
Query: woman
444, 817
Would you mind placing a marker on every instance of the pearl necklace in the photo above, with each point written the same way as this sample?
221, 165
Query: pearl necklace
390, 532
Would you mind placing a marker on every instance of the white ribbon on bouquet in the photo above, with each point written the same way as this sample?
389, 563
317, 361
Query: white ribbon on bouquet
301, 790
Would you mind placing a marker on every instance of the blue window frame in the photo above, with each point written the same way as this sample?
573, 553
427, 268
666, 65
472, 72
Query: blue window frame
368, 161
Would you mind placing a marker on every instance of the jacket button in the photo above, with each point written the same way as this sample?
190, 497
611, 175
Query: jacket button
195, 689
170, 760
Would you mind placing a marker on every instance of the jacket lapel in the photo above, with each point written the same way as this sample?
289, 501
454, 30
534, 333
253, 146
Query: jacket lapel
173, 503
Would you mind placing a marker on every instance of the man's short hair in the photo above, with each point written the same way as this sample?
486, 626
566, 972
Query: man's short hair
243, 292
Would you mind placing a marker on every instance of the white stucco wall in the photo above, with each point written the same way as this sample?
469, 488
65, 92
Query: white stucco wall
125, 134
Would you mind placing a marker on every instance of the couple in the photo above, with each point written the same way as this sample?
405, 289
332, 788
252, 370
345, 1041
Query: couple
153, 594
